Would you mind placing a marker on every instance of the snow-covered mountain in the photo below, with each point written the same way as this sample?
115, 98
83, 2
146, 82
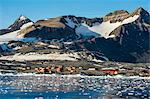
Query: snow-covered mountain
11, 33
20, 23
118, 36
72, 26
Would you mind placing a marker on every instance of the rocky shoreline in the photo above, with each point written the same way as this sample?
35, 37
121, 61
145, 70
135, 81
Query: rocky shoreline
73, 68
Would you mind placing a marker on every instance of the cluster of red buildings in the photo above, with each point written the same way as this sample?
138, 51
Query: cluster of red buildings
49, 69
72, 69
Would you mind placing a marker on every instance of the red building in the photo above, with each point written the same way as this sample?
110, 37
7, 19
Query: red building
111, 71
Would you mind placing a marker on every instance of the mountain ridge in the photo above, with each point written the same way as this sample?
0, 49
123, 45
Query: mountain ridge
118, 36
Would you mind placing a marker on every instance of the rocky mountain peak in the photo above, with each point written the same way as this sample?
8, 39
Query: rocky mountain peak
118, 15
22, 17
144, 16
19, 22
141, 11
118, 12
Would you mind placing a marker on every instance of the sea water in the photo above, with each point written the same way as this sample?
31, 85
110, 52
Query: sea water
32, 86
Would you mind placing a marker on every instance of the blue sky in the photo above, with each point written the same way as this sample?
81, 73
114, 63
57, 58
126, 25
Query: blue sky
40, 9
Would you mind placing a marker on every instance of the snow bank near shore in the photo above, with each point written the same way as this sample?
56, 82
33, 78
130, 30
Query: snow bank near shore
37, 56
51, 56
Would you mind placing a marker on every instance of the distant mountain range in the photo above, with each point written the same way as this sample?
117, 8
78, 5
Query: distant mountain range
119, 36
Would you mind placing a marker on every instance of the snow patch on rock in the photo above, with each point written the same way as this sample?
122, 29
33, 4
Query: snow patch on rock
130, 19
84, 30
98, 29
105, 28
70, 23
14, 36
9, 36
26, 25
22, 18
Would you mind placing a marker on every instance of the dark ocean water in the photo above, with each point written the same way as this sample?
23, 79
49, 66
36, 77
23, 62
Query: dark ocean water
73, 87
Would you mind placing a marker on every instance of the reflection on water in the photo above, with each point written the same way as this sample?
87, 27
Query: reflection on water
72, 87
